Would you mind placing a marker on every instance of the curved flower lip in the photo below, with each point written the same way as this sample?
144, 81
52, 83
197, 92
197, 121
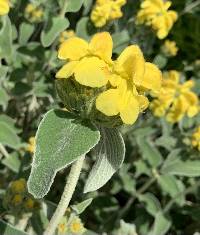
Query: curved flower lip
4, 7
119, 101
76, 48
131, 65
88, 62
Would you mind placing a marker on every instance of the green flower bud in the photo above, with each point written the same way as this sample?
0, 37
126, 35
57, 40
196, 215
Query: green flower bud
81, 100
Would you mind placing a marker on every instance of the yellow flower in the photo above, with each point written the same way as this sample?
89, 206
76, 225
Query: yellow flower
87, 62
196, 138
4, 7
169, 48
62, 228
31, 145
155, 13
29, 203
130, 75
123, 82
18, 186
34, 13
106, 10
17, 199
175, 100
30, 8
76, 226
66, 34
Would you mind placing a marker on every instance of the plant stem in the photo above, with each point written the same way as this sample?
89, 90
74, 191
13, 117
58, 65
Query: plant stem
63, 10
66, 196
173, 200
190, 7
4, 151
132, 199
22, 223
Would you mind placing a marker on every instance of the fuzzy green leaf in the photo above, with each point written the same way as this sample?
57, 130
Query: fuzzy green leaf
149, 152
54, 27
60, 140
6, 39
8, 136
12, 162
74, 5
8, 229
161, 224
4, 97
25, 31
183, 168
110, 155
152, 203
80, 207
172, 186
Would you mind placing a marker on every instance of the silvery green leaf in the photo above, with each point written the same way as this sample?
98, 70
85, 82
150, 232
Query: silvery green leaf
8, 136
6, 39
8, 229
110, 153
161, 224
60, 140
74, 5
149, 152
54, 27
25, 31
152, 203
183, 168
172, 186
80, 207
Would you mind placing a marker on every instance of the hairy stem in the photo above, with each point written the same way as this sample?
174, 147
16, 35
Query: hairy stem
4, 151
66, 196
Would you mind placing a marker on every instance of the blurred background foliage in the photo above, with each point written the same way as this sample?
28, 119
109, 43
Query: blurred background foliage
157, 190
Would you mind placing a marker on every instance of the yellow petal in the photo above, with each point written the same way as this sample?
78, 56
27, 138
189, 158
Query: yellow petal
143, 102
101, 45
130, 113
67, 70
91, 72
4, 7
114, 79
132, 60
152, 78
192, 111
107, 102
73, 49
188, 84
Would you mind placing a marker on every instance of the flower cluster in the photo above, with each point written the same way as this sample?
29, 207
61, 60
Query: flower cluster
196, 138
4, 7
66, 34
169, 48
175, 99
155, 13
106, 10
34, 13
71, 224
116, 88
31, 145
17, 199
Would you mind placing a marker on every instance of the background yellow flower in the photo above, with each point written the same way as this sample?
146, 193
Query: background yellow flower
4, 7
